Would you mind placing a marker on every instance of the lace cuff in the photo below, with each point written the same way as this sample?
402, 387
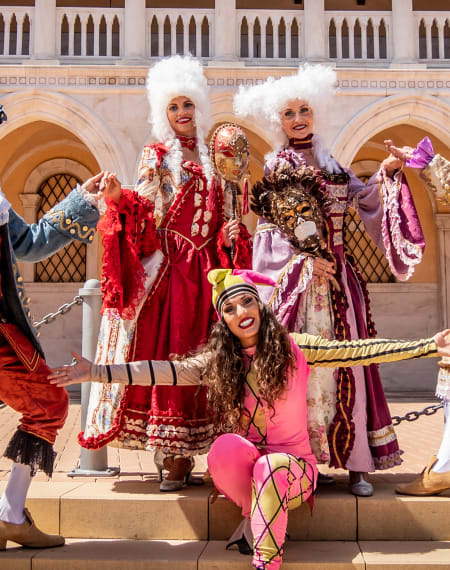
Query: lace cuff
90, 198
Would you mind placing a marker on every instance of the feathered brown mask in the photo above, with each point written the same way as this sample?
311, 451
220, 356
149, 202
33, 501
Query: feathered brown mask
295, 201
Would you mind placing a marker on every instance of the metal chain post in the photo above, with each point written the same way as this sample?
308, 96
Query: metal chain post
92, 463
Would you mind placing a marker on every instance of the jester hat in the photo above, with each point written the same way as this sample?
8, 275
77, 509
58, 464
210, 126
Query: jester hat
228, 283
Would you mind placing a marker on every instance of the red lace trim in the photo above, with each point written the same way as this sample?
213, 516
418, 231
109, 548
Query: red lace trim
124, 243
242, 250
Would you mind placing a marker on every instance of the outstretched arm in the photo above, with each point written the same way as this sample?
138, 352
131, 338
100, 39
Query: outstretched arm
334, 353
185, 372
73, 218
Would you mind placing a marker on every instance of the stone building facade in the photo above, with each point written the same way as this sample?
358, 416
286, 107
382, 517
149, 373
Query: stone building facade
72, 80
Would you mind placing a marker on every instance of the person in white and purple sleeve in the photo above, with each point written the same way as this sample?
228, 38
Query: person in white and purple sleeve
435, 477
323, 292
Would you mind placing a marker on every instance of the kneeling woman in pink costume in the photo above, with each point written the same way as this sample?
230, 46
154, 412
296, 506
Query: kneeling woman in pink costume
257, 375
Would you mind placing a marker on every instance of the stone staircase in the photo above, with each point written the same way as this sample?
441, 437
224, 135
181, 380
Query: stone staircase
121, 525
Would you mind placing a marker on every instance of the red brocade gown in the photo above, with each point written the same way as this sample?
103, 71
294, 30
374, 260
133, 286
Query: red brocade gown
174, 232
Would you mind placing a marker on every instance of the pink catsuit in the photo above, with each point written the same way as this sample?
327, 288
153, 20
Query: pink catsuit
268, 467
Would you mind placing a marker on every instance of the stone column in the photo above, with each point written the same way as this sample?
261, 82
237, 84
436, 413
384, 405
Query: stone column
30, 203
44, 30
135, 33
314, 31
403, 32
225, 31
443, 226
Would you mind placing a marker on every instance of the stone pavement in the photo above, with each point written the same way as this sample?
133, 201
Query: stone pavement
418, 439
125, 523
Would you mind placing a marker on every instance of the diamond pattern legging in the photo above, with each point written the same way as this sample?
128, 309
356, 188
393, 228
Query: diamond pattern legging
265, 487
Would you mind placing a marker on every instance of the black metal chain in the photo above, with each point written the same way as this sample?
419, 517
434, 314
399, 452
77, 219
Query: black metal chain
413, 416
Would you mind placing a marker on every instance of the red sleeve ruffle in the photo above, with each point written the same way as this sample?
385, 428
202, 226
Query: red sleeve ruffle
242, 250
129, 233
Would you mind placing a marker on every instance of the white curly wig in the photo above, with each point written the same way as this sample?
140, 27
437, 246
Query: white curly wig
314, 84
174, 77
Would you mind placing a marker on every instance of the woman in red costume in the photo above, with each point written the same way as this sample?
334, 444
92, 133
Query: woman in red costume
160, 241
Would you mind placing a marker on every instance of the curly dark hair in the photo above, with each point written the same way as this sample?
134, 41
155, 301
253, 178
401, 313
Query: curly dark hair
225, 371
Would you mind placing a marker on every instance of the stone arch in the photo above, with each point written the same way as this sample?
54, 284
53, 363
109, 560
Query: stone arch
35, 105
49, 167
422, 111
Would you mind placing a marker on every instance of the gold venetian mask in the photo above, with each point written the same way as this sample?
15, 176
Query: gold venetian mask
298, 215
230, 152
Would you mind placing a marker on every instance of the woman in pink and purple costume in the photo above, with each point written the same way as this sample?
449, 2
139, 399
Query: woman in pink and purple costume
348, 417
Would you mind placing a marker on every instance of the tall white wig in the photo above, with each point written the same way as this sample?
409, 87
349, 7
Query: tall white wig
175, 77
314, 84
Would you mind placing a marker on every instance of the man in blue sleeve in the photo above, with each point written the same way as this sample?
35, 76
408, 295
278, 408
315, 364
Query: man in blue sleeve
23, 370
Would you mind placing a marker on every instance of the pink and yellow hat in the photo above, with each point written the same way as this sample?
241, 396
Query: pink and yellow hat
228, 283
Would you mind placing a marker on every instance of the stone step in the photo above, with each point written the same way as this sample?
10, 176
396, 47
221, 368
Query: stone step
84, 554
114, 509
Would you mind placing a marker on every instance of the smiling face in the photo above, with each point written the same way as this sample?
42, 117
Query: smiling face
181, 116
241, 315
297, 119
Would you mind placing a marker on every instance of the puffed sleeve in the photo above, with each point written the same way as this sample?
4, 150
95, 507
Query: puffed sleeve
320, 351
387, 210
274, 256
129, 235
186, 372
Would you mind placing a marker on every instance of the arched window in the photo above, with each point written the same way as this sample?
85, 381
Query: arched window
167, 37
115, 43
295, 32
77, 36
26, 36
13, 36
90, 36
269, 38
282, 39
180, 31
332, 40
69, 264
103, 40
205, 39
257, 39
244, 37
192, 36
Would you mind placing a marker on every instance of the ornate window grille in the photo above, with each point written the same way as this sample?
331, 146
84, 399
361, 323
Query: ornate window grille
368, 257
68, 265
